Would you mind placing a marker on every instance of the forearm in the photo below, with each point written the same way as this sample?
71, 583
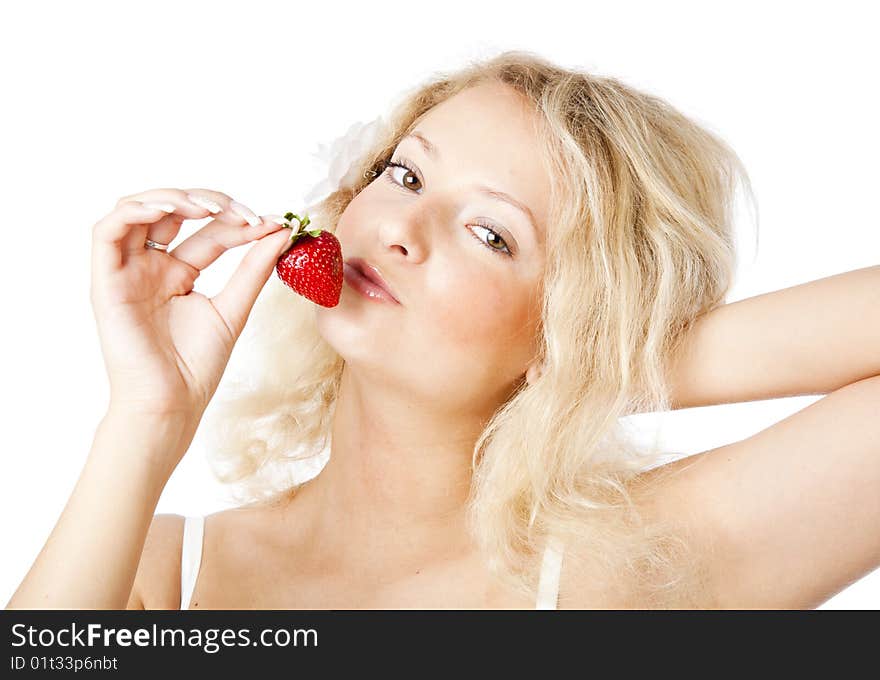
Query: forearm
91, 556
812, 338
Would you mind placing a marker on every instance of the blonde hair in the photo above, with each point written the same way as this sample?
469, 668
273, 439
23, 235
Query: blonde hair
640, 243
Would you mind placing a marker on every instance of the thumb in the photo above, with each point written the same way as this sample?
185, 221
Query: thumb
235, 302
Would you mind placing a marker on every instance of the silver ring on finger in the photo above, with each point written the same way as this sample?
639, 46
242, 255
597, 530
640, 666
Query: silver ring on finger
155, 245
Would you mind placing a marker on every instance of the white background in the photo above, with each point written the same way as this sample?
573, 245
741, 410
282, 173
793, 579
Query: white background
104, 99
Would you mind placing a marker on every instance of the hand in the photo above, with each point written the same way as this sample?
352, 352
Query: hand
166, 346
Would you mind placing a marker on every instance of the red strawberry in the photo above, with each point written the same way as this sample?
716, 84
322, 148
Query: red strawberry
312, 266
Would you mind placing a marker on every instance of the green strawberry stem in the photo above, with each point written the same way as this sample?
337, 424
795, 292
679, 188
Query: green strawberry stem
303, 221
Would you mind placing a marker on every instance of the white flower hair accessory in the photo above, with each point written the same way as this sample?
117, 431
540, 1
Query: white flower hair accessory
337, 159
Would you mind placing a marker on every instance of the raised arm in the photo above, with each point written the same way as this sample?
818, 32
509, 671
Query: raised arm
812, 338
790, 516
165, 348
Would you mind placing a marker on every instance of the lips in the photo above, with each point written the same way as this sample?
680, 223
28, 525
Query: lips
372, 274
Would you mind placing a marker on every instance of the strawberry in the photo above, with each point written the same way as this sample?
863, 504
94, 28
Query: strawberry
312, 266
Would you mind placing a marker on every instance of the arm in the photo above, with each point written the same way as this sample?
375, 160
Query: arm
91, 556
790, 516
812, 338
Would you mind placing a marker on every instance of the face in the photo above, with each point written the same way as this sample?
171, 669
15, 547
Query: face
464, 265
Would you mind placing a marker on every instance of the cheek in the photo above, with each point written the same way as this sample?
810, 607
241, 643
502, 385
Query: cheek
483, 314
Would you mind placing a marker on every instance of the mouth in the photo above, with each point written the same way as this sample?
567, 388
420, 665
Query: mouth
367, 280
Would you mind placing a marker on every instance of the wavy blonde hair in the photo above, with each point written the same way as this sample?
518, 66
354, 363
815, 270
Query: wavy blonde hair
640, 244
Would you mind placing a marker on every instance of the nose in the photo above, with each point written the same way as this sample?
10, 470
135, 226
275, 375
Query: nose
413, 228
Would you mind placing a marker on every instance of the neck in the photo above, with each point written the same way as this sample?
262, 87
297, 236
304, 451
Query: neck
398, 476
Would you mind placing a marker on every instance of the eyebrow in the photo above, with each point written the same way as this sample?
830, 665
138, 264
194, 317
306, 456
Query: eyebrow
431, 150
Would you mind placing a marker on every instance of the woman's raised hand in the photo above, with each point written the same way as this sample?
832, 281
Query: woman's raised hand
166, 346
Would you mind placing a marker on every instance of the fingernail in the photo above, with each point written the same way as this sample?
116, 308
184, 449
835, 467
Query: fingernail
205, 203
164, 207
246, 213
277, 219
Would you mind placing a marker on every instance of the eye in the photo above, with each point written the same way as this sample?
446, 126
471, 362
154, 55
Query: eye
498, 238
391, 166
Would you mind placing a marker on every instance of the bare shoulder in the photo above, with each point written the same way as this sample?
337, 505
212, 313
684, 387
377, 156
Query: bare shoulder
227, 533
157, 582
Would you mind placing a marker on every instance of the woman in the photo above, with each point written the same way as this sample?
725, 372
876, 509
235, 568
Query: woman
557, 248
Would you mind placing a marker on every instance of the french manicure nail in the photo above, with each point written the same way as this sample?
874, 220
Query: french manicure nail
246, 213
164, 207
205, 203
277, 219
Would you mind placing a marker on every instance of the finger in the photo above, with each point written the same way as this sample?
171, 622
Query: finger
231, 209
235, 301
226, 212
217, 199
215, 238
111, 231
180, 208
173, 194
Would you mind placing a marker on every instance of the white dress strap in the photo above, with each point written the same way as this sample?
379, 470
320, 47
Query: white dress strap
190, 557
551, 569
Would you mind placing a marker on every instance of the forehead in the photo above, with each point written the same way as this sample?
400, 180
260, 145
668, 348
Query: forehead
486, 134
